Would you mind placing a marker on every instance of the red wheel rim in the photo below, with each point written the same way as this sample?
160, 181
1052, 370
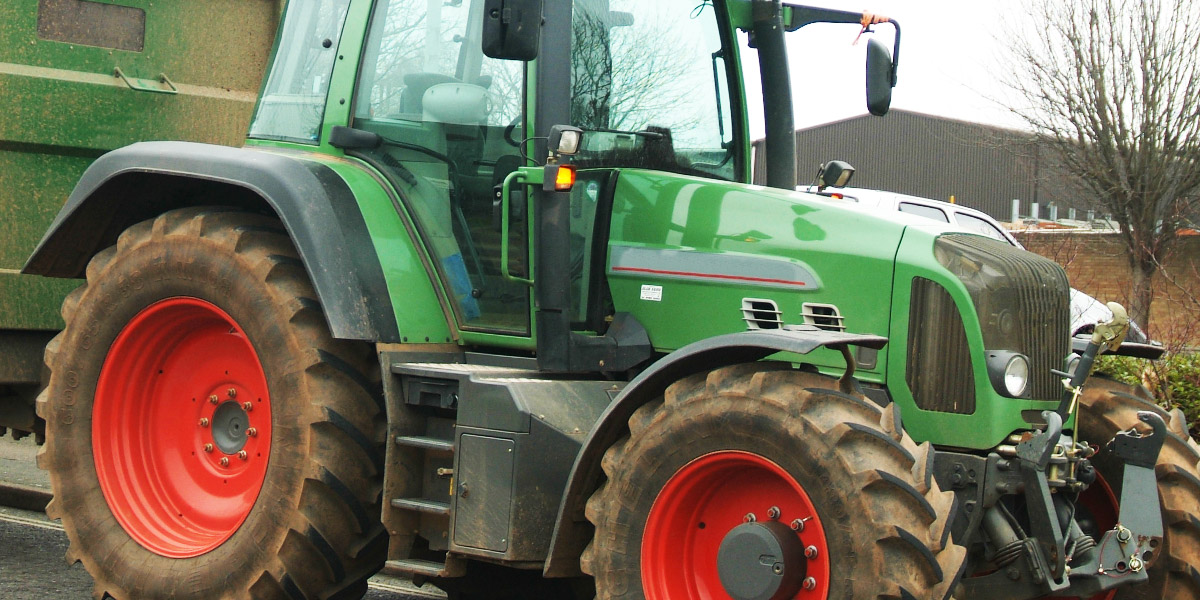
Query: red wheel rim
181, 427
701, 503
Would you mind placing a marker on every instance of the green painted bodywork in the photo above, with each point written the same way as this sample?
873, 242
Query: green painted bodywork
995, 416
863, 264
660, 210
64, 107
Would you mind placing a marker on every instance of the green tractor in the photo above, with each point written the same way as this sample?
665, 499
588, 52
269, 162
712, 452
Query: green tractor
487, 300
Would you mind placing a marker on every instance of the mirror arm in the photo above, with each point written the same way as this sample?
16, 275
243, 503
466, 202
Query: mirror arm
895, 50
807, 15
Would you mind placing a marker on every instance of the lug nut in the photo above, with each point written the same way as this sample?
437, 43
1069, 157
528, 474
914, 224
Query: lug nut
224, 461
798, 525
251, 432
232, 392
212, 399
242, 455
248, 406
810, 583
773, 512
810, 552
749, 518
204, 421
208, 447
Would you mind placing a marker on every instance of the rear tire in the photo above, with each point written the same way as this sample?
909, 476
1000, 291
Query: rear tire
1107, 407
162, 492
744, 440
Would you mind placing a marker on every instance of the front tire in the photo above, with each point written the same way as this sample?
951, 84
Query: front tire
1108, 407
206, 436
825, 474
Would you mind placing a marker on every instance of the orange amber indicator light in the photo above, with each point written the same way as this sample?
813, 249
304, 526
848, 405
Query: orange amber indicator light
564, 180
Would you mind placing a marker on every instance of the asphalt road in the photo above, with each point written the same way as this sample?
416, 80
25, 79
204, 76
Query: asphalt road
32, 547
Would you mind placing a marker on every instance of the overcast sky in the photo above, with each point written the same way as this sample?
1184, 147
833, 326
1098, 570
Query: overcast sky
951, 61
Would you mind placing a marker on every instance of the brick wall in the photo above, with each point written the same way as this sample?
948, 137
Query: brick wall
1098, 265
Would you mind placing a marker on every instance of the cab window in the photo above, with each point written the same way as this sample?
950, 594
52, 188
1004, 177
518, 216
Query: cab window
973, 223
648, 85
921, 210
293, 100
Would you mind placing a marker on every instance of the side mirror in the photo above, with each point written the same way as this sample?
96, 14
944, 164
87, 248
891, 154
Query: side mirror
512, 29
835, 173
880, 77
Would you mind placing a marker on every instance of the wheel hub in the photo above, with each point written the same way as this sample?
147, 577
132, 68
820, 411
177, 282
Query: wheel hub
702, 537
761, 561
229, 425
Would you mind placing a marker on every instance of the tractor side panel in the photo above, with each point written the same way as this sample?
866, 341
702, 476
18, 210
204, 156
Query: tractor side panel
537, 427
686, 255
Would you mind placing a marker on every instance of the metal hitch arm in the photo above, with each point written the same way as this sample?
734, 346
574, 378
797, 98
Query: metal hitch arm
1125, 551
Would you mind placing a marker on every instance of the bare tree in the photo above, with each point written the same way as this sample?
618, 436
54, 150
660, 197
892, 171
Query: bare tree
1113, 89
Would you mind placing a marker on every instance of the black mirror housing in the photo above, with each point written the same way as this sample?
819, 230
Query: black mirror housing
512, 29
835, 173
880, 77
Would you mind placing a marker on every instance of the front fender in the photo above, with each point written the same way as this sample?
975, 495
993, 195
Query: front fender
316, 206
571, 532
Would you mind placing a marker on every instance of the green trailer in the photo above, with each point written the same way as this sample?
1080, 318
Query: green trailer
81, 78
488, 299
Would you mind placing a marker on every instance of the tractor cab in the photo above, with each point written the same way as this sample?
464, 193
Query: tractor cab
452, 98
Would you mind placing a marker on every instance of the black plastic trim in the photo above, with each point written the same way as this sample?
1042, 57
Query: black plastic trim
552, 247
316, 206
780, 140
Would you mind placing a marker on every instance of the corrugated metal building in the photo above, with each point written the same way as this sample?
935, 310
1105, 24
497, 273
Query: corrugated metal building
982, 166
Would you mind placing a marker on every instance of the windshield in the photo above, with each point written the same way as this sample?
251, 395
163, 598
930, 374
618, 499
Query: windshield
648, 85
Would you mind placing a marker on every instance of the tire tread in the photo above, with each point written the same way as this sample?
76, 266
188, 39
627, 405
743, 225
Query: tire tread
349, 403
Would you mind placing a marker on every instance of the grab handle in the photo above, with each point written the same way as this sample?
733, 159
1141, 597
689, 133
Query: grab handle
147, 85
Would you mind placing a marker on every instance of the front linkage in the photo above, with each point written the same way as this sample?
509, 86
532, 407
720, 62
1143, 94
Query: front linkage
1056, 555
1023, 498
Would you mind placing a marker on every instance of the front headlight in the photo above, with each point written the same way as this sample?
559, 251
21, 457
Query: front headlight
1009, 372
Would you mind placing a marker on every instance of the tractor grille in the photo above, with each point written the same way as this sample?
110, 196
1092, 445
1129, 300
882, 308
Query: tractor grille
939, 361
1021, 300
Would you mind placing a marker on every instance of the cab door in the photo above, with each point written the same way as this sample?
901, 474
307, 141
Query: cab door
452, 123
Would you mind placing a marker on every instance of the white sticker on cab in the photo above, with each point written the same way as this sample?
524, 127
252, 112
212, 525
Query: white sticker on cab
652, 293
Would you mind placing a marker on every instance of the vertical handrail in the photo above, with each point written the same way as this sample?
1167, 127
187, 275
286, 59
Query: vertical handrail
515, 176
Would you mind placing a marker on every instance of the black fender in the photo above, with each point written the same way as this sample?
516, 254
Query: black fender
316, 206
571, 529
